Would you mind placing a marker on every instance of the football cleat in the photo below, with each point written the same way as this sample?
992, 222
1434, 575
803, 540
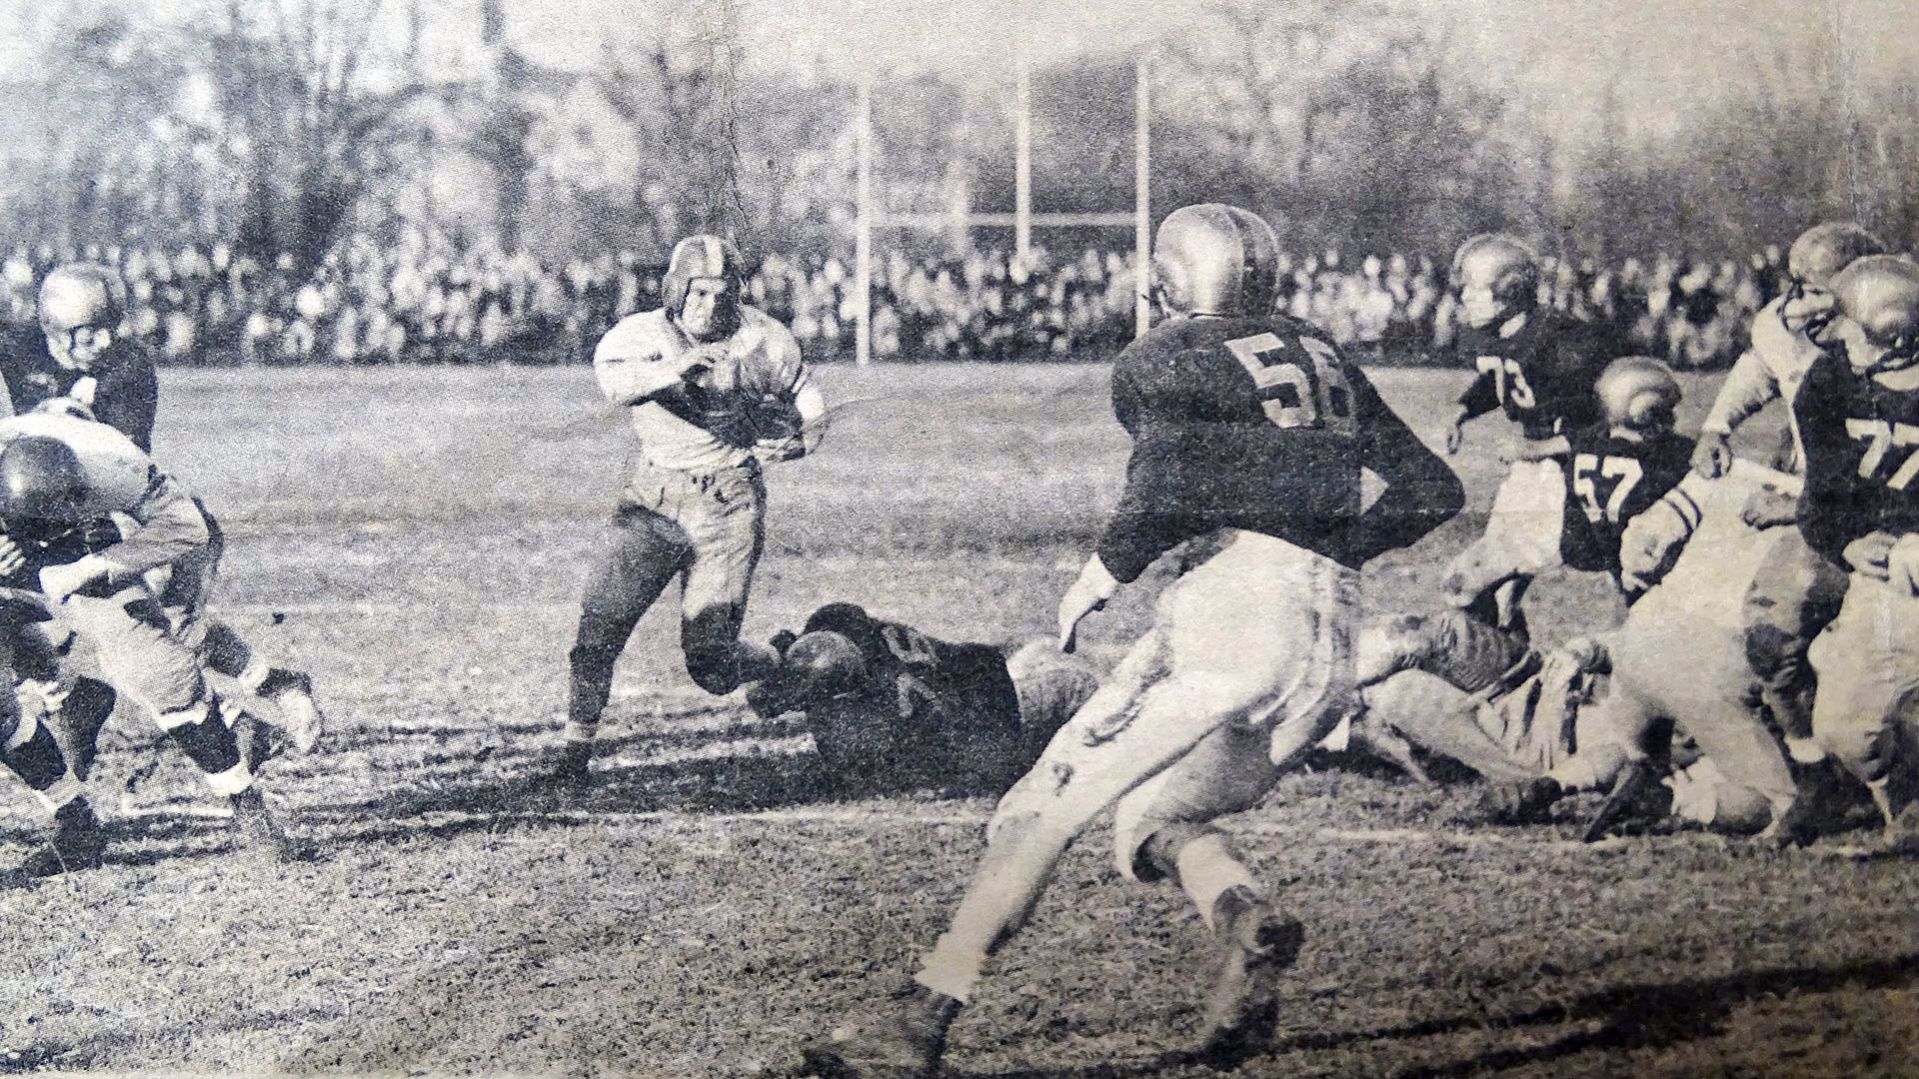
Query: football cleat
903, 1039
1527, 802
300, 716
572, 766
255, 831
1256, 945
78, 843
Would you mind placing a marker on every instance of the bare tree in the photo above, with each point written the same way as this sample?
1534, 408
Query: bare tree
309, 115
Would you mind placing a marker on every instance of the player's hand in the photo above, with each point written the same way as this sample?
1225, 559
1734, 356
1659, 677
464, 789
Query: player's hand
1767, 508
1867, 555
12, 558
1088, 594
695, 364
1713, 456
59, 582
1902, 563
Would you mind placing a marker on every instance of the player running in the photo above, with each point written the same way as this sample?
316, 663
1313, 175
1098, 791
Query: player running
1537, 367
1248, 425
889, 706
61, 476
1858, 415
713, 387
1797, 590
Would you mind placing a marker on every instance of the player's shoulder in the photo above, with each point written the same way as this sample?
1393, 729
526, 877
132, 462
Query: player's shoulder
642, 332
86, 437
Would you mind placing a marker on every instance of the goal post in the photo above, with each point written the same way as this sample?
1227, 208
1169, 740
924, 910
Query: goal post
868, 216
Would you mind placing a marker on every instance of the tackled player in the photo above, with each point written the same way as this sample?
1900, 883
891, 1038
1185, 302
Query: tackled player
1249, 425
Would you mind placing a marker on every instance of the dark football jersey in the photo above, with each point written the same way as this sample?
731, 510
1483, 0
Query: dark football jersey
1862, 454
1260, 424
933, 711
1609, 481
124, 392
1542, 376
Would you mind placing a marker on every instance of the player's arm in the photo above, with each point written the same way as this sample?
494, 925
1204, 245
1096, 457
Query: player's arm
633, 368
167, 525
1654, 538
1479, 398
1830, 511
1748, 386
1421, 492
126, 398
1146, 523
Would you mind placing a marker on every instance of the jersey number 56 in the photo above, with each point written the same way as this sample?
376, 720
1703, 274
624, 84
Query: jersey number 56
1289, 395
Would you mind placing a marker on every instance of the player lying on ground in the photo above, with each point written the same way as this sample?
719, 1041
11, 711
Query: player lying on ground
1608, 471
1247, 425
60, 475
1692, 554
1537, 367
85, 365
1858, 413
1797, 590
891, 707
713, 387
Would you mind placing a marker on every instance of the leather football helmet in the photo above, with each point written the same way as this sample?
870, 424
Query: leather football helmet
1215, 259
1878, 313
821, 665
41, 479
705, 256
1823, 250
1500, 267
1639, 393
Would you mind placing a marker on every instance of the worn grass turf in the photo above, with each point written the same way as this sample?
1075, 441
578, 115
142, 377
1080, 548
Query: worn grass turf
416, 537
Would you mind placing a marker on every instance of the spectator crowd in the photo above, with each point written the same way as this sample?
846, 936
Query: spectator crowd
426, 300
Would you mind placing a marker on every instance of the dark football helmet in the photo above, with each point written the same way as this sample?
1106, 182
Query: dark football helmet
1639, 393
41, 480
1215, 259
1823, 250
1878, 313
1496, 276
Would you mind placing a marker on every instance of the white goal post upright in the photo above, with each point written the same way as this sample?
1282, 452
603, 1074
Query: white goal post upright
868, 215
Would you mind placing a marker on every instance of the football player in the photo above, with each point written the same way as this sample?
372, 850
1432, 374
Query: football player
1592, 715
1858, 415
1538, 367
61, 475
1797, 590
1249, 425
890, 706
92, 369
1611, 470
713, 387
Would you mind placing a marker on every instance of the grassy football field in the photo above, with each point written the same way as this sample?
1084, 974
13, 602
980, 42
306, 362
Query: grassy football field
416, 539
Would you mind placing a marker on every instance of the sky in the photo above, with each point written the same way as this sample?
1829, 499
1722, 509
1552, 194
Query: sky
1664, 58
1668, 56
